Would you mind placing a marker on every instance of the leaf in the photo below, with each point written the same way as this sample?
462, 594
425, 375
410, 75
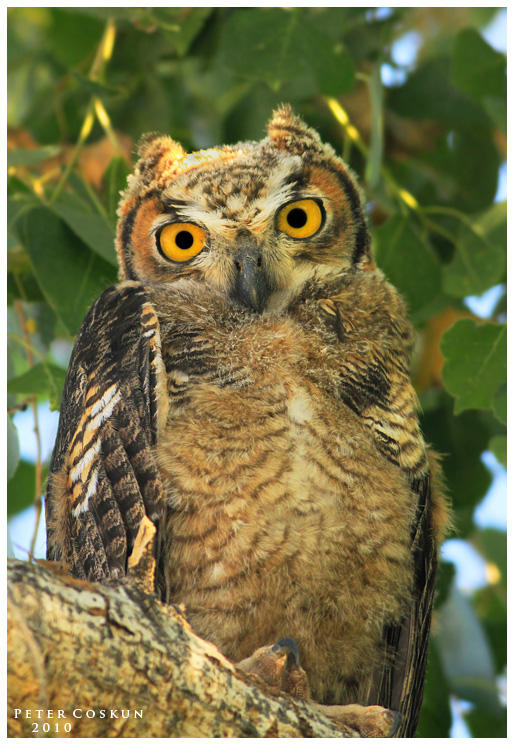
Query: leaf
444, 581
476, 266
13, 448
407, 261
429, 94
72, 36
500, 403
435, 716
461, 440
20, 488
276, 44
114, 181
181, 25
475, 363
492, 544
44, 379
476, 68
30, 156
499, 447
94, 229
69, 275
465, 653
486, 725
490, 607
480, 259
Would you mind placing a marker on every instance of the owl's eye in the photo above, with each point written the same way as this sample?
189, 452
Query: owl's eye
181, 241
301, 219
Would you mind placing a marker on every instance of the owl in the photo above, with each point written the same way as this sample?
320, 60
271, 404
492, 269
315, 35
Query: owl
246, 387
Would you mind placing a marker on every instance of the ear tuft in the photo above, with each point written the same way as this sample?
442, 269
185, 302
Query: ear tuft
289, 132
153, 144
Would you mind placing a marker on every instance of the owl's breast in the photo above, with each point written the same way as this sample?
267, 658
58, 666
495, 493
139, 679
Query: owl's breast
279, 510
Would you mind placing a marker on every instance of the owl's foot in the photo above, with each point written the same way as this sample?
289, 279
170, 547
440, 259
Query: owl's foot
370, 722
279, 666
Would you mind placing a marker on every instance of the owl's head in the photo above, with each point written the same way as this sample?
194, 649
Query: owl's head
256, 221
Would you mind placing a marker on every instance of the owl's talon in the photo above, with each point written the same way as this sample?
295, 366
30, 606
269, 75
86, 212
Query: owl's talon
369, 721
278, 665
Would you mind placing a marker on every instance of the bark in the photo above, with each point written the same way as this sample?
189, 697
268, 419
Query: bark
84, 649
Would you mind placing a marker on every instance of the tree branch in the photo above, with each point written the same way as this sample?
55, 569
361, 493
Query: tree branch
85, 648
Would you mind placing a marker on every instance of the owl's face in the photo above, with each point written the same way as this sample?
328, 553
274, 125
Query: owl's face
256, 221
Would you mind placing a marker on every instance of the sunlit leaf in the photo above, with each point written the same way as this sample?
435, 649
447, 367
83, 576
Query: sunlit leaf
43, 379
475, 362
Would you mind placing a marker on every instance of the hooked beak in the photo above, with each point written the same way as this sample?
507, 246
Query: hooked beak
251, 286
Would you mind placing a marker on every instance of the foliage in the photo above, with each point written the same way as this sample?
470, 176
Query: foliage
85, 83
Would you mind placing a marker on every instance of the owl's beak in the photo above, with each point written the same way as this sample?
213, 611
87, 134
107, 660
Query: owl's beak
251, 286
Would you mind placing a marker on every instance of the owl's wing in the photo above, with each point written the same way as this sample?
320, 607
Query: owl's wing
401, 680
376, 385
103, 475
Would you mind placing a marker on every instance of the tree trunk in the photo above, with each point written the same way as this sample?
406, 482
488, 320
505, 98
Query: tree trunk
92, 660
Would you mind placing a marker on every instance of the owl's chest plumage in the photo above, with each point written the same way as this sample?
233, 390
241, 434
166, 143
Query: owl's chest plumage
276, 496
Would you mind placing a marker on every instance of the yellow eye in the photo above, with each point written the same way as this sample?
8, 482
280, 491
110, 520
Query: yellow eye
181, 241
300, 219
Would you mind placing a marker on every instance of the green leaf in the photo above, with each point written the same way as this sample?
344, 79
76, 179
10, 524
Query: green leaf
500, 403
429, 94
480, 258
435, 716
114, 181
490, 606
499, 447
444, 580
276, 45
30, 156
475, 267
72, 37
13, 448
476, 68
408, 261
20, 488
465, 652
70, 275
94, 229
475, 363
44, 379
181, 25
492, 544
487, 725
461, 440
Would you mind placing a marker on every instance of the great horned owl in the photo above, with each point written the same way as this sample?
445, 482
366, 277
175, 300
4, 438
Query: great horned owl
246, 387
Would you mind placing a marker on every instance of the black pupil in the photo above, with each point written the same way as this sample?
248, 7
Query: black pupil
184, 240
297, 218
